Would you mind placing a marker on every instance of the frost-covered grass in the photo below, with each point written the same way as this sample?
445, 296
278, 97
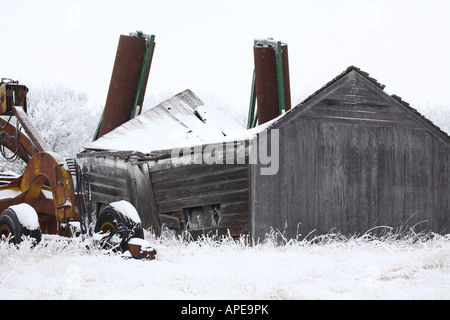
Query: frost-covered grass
328, 267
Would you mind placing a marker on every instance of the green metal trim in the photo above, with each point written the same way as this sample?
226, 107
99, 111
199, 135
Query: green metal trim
252, 116
280, 80
97, 131
145, 70
255, 120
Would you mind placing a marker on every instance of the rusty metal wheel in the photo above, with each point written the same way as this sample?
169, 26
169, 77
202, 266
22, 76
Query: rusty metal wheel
110, 218
13, 229
113, 223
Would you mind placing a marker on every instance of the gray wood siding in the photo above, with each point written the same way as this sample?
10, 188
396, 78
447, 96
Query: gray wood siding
116, 179
352, 178
353, 159
108, 178
183, 187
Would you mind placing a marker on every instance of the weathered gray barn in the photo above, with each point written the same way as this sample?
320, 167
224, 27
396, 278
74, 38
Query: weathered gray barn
166, 190
351, 158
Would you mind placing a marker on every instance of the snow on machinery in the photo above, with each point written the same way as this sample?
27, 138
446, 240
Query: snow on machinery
52, 196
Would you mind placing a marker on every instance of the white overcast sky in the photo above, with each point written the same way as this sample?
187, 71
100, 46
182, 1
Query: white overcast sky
206, 45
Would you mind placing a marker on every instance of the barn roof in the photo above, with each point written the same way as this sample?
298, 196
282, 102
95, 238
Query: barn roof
182, 120
353, 89
185, 121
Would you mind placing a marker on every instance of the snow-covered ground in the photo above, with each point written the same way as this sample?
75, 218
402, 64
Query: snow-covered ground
332, 268
414, 267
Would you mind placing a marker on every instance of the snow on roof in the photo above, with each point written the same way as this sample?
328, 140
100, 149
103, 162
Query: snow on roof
183, 120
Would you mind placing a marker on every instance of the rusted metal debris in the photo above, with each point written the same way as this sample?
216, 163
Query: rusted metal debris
139, 252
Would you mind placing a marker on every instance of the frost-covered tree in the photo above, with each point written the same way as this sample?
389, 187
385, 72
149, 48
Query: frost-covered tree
63, 117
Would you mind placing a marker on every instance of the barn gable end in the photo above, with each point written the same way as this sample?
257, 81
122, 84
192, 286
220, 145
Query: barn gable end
353, 158
354, 97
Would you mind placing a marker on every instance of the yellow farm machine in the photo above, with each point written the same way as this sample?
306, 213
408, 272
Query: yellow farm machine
52, 196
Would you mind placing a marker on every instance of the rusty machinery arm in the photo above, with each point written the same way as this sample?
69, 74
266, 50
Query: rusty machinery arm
46, 183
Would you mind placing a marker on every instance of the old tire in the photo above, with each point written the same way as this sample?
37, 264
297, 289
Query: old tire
15, 229
111, 218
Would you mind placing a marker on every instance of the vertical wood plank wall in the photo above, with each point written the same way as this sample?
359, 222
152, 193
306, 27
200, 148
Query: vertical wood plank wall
353, 160
351, 178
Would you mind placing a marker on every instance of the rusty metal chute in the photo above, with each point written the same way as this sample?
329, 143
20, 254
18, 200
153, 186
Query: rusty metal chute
271, 85
128, 81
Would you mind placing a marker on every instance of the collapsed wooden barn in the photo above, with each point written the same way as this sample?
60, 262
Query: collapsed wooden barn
174, 192
350, 158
